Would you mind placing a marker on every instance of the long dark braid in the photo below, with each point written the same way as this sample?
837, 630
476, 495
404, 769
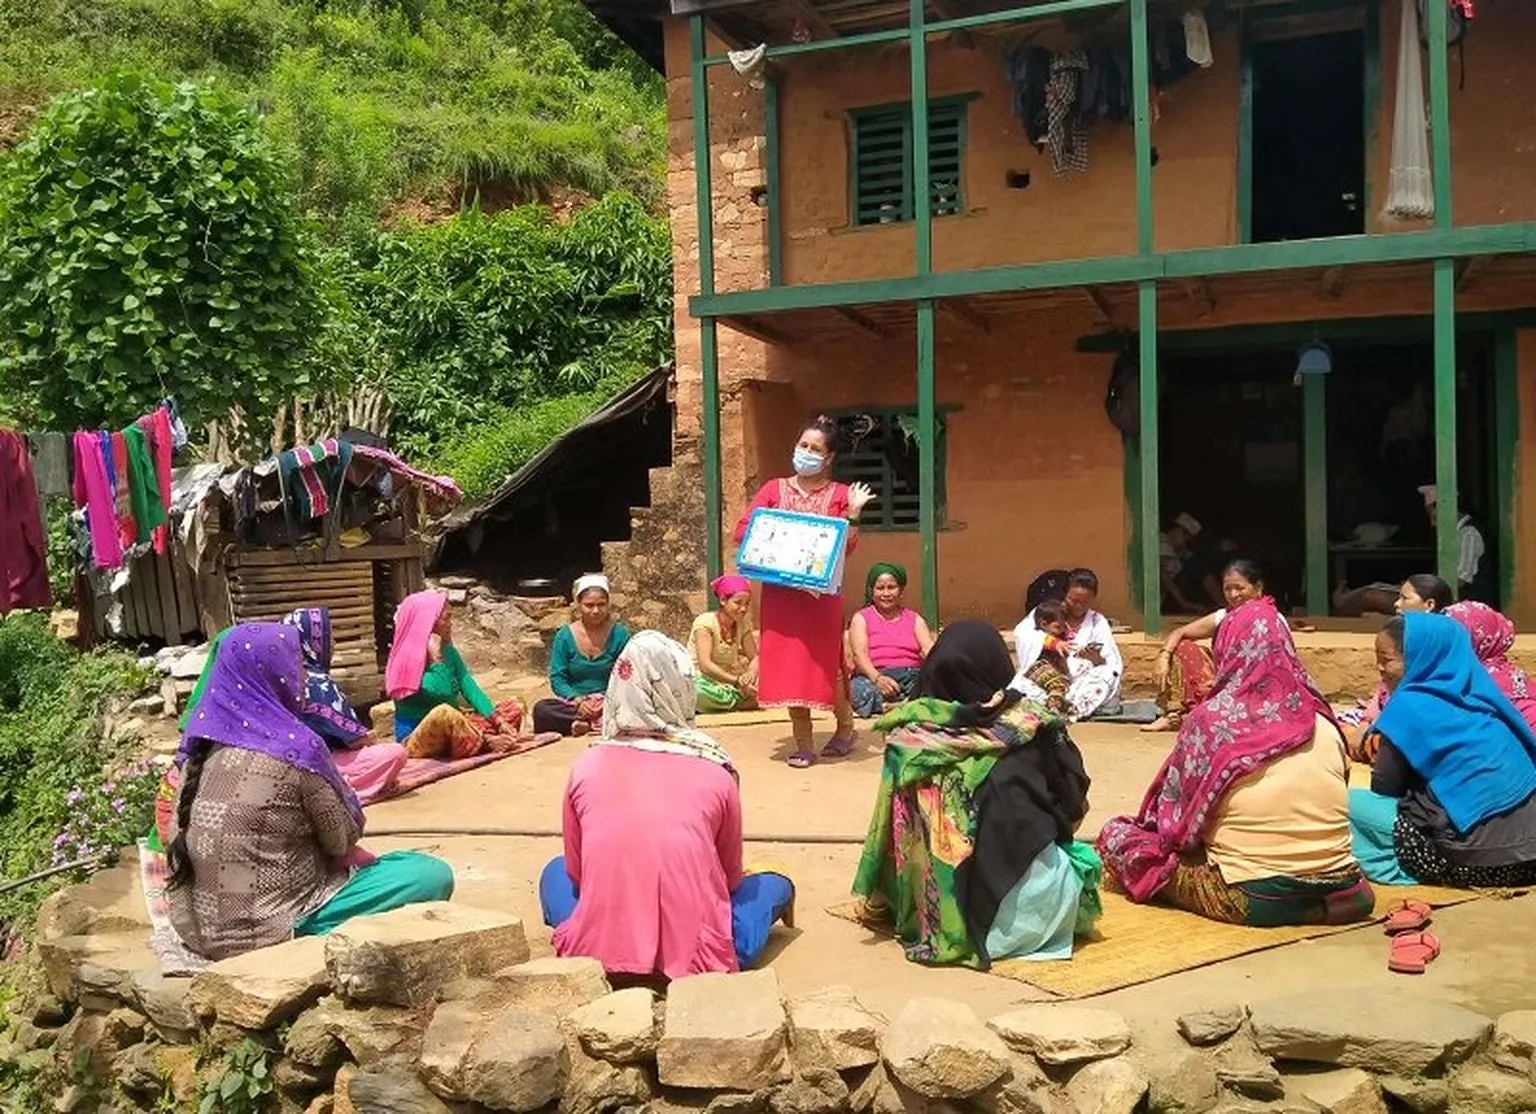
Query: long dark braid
191, 774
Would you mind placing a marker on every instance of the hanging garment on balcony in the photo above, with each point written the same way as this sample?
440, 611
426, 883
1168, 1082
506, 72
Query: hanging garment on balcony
1410, 188
1067, 135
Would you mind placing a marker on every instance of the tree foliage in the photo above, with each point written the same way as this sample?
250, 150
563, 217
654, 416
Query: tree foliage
148, 244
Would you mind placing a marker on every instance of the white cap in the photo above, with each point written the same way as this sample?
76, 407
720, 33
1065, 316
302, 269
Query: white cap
587, 583
1189, 523
1431, 495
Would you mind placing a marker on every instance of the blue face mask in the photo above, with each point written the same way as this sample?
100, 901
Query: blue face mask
807, 463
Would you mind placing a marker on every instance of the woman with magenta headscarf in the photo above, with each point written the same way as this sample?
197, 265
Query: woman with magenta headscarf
1453, 789
723, 647
263, 840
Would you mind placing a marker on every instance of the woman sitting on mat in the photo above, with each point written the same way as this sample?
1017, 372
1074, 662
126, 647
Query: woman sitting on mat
263, 840
888, 642
723, 647
580, 662
1185, 672
651, 882
970, 854
1422, 592
1453, 791
1094, 664
1493, 636
369, 767
1248, 822
440, 712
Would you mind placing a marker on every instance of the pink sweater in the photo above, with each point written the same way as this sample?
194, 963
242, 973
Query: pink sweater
653, 844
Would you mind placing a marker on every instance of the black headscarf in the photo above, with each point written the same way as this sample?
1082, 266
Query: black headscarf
969, 665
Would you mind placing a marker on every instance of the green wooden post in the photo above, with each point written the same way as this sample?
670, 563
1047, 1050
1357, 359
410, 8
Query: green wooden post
1140, 79
1448, 540
709, 346
922, 214
1506, 455
1146, 323
1314, 437
775, 198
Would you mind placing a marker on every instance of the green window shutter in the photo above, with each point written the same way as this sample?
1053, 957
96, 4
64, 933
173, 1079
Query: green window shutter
878, 450
881, 161
946, 139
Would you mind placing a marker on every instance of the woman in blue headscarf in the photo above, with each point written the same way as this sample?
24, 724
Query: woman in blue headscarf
1453, 789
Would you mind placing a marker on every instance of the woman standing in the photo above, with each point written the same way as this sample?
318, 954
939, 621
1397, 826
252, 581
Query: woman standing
723, 647
801, 642
580, 662
888, 642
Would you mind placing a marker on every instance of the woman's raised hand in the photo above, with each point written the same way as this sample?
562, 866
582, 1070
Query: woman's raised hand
859, 495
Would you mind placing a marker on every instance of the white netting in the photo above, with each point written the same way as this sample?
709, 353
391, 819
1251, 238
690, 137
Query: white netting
1410, 190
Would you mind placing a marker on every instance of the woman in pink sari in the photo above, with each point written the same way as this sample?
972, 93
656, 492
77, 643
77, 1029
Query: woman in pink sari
1248, 820
1493, 636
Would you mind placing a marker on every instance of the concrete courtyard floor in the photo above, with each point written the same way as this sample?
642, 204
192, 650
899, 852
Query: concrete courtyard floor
1488, 963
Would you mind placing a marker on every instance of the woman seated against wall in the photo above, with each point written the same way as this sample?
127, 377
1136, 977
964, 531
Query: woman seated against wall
723, 647
1453, 790
1247, 822
580, 662
263, 840
652, 882
970, 854
370, 767
1422, 592
1094, 664
887, 642
440, 712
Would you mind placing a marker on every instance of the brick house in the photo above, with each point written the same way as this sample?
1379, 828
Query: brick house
1222, 220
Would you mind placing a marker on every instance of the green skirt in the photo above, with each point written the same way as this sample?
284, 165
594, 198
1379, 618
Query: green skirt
713, 696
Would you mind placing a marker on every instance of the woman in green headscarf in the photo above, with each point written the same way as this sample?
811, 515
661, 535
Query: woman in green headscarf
888, 642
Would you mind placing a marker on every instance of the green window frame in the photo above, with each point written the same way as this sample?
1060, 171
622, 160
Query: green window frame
880, 161
878, 446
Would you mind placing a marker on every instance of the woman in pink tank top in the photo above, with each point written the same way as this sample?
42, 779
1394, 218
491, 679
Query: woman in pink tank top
887, 642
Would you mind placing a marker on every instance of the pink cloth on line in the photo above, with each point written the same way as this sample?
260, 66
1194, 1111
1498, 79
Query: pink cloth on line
892, 642
157, 426
653, 844
371, 770
94, 493
414, 620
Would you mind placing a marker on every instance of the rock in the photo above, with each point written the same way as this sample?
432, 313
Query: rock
1478, 1090
1210, 1026
263, 988
728, 1103
832, 1027
1108, 1087
377, 1033
166, 1002
1062, 1035
98, 966
310, 1041
124, 1027
75, 1098
558, 985
1423, 1096
453, 581
517, 1063
84, 1033
30, 1037
940, 1049
390, 1088
400, 958
48, 1012
453, 1028
137, 1071
188, 666
457, 597
296, 1078
147, 706
342, 1094
1346, 1091
595, 1086
814, 1091
1181, 1081
619, 1027
1025, 1089
1385, 1033
1514, 1041
321, 1104
98, 907
724, 1032
1241, 1067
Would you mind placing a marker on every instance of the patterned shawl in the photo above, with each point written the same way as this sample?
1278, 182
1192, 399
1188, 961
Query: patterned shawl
326, 707
1263, 706
1493, 636
253, 700
651, 701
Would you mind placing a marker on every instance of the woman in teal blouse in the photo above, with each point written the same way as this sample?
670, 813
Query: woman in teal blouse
580, 662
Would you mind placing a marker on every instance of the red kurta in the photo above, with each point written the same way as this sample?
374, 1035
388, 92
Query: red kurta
800, 637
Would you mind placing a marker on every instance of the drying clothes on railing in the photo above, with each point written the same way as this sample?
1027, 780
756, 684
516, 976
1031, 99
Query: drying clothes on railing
1067, 132
50, 462
122, 481
312, 476
440, 487
23, 548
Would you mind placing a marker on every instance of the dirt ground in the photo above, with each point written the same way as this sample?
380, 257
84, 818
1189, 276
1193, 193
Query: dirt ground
1487, 962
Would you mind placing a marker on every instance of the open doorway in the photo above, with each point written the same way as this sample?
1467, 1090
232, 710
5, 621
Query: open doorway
1308, 130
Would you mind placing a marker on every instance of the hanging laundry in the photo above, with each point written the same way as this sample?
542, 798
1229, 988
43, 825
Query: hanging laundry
312, 476
178, 428
23, 545
50, 462
157, 432
1410, 184
1029, 71
1067, 137
93, 492
1104, 92
1197, 40
122, 493
143, 486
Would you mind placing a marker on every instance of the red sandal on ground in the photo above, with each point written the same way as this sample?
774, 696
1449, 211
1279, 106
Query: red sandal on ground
1407, 916
1412, 952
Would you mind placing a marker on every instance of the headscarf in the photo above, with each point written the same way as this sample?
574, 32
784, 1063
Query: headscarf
1493, 636
1261, 707
326, 707
414, 619
968, 666
253, 700
651, 701
724, 587
586, 583
1455, 728
879, 569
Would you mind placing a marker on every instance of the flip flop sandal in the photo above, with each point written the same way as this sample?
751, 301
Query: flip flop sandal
1412, 952
802, 759
840, 748
1407, 916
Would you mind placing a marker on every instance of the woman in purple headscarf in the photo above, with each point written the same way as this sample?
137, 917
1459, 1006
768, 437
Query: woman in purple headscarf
264, 838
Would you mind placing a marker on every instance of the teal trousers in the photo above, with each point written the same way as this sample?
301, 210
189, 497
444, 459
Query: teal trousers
396, 879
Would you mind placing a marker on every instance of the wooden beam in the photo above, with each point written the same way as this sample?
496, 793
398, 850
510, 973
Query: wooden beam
1334, 281
965, 313
818, 22
1198, 291
733, 39
1105, 306
752, 327
863, 323
944, 9
1468, 270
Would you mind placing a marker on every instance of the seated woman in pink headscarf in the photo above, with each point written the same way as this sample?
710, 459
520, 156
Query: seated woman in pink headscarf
1248, 820
1493, 636
723, 647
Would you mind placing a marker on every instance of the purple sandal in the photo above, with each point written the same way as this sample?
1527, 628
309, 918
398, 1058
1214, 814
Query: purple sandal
840, 748
802, 759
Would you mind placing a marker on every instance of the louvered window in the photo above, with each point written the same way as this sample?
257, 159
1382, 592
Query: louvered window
882, 161
878, 446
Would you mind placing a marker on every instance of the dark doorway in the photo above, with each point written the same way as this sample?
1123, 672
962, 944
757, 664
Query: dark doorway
1308, 138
